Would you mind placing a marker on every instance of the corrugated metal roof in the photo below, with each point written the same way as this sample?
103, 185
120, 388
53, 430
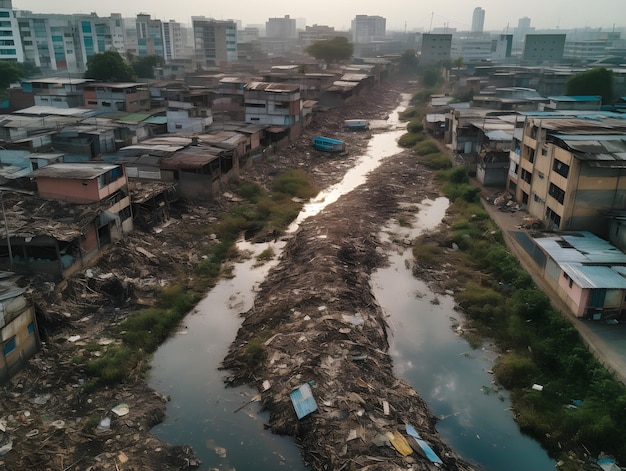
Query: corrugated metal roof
192, 158
581, 247
273, 87
576, 98
303, 400
499, 135
594, 276
80, 171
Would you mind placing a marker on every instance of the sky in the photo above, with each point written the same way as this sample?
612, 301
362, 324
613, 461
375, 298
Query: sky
412, 15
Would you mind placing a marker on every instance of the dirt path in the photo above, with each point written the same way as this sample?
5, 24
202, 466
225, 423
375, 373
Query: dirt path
317, 321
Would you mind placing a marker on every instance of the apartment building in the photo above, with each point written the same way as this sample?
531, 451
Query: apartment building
435, 48
10, 44
215, 42
569, 171
366, 29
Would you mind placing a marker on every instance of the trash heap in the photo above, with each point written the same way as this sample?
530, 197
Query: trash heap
315, 344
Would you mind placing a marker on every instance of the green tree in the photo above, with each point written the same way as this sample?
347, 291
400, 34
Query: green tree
431, 77
331, 50
596, 81
144, 66
109, 66
9, 73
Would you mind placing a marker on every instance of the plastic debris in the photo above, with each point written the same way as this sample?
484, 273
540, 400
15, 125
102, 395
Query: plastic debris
537, 387
58, 424
121, 410
33, 433
73, 338
105, 424
220, 451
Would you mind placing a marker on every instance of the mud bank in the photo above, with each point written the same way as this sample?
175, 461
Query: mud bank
315, 320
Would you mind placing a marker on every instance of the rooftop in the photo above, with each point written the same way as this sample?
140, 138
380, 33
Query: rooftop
81, 171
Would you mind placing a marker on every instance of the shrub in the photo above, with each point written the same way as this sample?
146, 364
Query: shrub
414, 126
426, 147
436, 161
515, 371
294, 183
409, 140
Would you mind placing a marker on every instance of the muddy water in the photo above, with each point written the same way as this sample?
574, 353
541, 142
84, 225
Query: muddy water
226, 431
452, 378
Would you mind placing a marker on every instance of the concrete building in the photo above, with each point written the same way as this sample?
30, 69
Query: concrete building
57, 92
130, 97
10, 43
587, 273
569, 171
174, 46
19, 336
281, 28
150, 40
478, 20
188, 118
215, 42
471, 49
366, 29
543, 48
435, 48
273, 104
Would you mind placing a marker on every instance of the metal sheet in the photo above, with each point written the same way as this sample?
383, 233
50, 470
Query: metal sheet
303, 400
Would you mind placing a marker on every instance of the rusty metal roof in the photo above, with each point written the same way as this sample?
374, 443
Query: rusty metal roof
192, 158
273, 87
81, 171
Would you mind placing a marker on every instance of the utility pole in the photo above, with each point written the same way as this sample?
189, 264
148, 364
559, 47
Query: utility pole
6, 227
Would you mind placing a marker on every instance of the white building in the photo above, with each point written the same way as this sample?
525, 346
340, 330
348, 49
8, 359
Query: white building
478, 20
10, 43
281, 28
366, 29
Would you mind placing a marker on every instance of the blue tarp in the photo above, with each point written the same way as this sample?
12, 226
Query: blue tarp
303, 400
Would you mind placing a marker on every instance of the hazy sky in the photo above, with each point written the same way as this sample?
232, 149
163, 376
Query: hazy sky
418, 14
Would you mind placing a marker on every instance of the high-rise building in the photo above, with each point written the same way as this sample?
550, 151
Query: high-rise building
281, 28
478, 20
366, 29
543, 48
149, 37
174, 40
10, 42
435, 48
214, 41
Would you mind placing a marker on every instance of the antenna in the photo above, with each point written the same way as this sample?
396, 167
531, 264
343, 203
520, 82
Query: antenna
430, 28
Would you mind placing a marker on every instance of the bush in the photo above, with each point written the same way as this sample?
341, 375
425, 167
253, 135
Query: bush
294, 183
409, 140
426, 147
436, 161
415, 126
515, 371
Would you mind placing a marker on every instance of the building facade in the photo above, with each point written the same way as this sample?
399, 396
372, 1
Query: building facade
569, 172
19, 336
281, 28
366, 29
10, 42
215, 42
478, 20
435, 48
543, 48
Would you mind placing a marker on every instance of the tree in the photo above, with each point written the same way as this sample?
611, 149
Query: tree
331, 50
144, 66
409, 62
9, 73
596, 81
109, 66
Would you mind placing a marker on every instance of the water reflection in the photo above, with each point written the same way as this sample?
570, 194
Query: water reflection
451, 377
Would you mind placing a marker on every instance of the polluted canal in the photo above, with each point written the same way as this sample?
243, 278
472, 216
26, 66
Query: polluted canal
225, 426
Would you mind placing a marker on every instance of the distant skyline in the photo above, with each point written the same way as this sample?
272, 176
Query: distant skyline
400, 14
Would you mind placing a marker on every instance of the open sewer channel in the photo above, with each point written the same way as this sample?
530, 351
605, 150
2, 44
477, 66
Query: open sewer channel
226, 431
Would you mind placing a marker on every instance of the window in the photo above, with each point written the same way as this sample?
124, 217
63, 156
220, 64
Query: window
553, 216
560, 168
31, 328
556, 193
526, 176
10, 345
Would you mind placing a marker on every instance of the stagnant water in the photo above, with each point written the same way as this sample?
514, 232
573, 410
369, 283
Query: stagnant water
454, 379
227, 433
